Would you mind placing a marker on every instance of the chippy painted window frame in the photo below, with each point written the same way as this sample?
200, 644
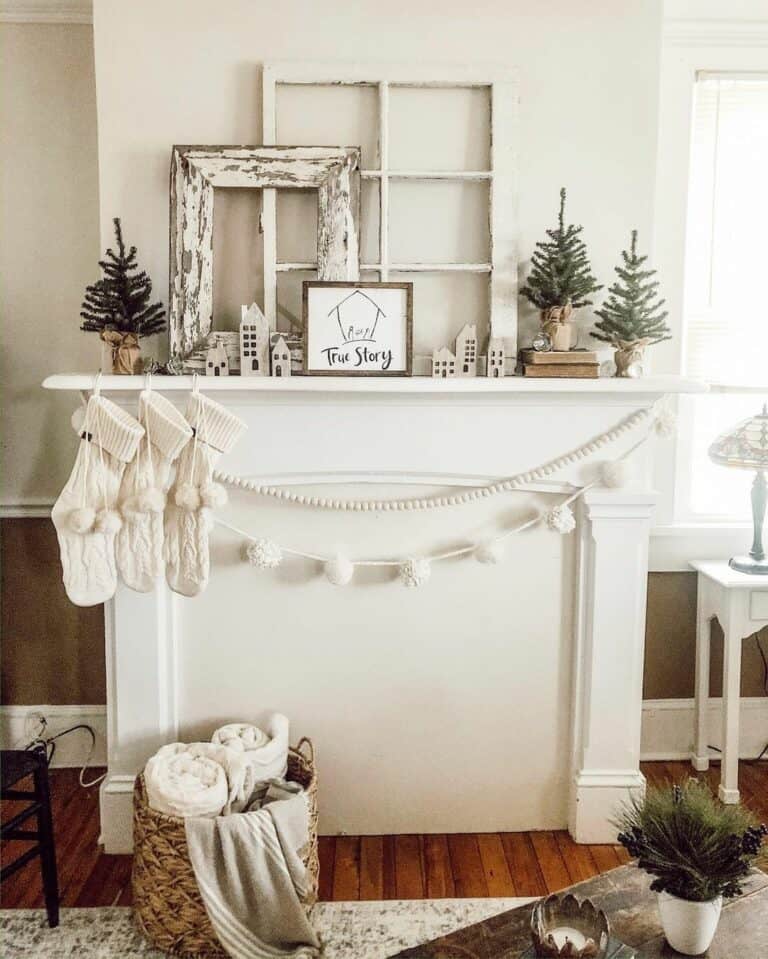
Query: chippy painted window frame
502, 84
196, 171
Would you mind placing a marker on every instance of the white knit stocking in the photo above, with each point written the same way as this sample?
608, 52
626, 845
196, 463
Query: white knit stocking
85, 514
193, 494
142, 495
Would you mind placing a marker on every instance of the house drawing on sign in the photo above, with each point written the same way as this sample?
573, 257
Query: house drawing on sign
281, 358
466, 351
357, 316
443, 363
254, 342
216, 361
495, 365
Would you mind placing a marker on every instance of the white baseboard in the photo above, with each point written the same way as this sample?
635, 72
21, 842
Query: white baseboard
667, 727
17, 729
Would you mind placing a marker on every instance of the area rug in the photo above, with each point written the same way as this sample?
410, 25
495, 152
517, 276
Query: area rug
349, 930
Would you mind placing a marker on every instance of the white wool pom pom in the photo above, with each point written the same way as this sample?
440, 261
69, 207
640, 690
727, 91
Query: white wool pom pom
81, 520
339, 570
561, 519
108, 521
150, 500
666, 421
415, 572
188, 496
616, 473
78, 420
265, 554
213, 495
491, 552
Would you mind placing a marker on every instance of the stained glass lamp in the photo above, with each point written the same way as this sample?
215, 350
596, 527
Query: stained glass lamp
746, 447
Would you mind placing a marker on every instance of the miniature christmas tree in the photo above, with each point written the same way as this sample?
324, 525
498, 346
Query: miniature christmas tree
561, 279
632, 311
120, 299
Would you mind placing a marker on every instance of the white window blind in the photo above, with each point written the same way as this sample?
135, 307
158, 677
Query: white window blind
726, 305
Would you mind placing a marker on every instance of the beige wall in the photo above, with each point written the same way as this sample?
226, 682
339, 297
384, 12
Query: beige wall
49, 245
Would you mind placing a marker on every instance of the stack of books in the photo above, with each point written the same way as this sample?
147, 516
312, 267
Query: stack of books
574, 363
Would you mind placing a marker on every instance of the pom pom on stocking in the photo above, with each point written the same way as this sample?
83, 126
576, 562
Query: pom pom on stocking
150, 500
108, 521
264, 554
339, 570
561, 519
188, 497
615, 474
665, 423
415, 572
82, 520
490, 553
213, 495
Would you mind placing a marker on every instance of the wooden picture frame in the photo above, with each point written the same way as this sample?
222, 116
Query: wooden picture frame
197, 170
367, 349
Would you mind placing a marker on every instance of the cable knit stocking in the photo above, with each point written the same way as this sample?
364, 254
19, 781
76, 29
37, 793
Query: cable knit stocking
187, 521
85, 514
142, 495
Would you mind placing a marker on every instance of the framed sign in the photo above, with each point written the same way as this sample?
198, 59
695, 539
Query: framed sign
357, 329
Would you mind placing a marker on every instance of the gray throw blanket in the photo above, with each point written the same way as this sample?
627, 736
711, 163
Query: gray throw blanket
252, 879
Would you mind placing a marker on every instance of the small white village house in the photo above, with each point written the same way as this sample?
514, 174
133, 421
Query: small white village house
495, 362
217, 361
281, 358
254, 342
466, 351
443, 363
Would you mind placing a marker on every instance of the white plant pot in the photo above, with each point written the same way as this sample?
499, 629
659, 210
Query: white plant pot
689, 926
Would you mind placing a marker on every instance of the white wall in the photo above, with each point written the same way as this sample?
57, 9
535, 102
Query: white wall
481, 659
49, 245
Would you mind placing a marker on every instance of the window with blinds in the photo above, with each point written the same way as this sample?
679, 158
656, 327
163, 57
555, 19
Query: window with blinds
725, 305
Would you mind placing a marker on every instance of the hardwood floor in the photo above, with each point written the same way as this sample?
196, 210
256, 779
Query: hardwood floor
358, 867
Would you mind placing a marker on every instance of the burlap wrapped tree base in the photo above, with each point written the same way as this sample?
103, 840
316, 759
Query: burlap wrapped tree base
166, 901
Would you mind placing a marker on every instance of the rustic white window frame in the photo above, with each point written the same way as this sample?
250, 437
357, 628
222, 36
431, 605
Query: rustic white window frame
197, 170
501, 175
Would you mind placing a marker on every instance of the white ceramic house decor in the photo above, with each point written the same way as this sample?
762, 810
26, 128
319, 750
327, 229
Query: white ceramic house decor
495, 367
281, 358
443, 363
216, 361
254, 342
196, 171
466, 351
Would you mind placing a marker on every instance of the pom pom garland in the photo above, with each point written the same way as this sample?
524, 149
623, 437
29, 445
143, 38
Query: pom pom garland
561, 519
616, 473
415, 572
264, 554
490, 553
665, 423
188, 497
339, 570
82, 520
108, 521
213, 495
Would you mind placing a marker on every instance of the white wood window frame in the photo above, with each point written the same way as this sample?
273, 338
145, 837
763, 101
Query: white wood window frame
689, 47
502, 85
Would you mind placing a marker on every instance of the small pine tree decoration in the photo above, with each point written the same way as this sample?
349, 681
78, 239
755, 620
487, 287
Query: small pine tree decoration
632, 316
120, 299
561, 277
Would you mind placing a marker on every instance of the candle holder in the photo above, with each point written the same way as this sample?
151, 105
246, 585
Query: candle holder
562, 927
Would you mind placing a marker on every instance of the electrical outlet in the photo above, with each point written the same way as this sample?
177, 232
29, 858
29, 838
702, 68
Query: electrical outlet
35, 723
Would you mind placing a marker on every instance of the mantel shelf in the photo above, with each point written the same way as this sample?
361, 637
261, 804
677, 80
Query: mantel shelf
394, 385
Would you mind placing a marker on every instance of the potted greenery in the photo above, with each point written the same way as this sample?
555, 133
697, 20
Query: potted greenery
561, 280
699, 852
118, 307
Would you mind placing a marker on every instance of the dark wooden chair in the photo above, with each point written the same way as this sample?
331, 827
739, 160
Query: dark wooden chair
15, 765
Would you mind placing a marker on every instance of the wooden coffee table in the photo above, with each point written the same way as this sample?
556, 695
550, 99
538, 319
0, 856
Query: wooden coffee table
625, 895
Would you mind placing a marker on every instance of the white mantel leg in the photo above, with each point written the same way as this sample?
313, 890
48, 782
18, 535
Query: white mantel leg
142, 706
608, 666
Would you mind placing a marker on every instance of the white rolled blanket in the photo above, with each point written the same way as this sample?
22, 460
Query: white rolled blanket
265, 752
198, 779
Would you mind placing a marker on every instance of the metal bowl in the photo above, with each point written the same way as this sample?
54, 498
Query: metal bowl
563, 927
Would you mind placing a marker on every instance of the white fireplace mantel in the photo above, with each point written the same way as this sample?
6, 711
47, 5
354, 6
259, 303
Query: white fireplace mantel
406, 431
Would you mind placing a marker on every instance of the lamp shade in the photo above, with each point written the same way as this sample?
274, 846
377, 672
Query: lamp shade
745, 446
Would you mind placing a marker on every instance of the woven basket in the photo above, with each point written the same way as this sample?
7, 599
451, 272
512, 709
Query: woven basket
166, 901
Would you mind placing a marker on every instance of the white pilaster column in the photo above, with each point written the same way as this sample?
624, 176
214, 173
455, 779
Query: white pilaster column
608, 658
141, 699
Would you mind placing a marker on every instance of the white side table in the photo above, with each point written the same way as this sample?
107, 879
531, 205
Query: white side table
740, 604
